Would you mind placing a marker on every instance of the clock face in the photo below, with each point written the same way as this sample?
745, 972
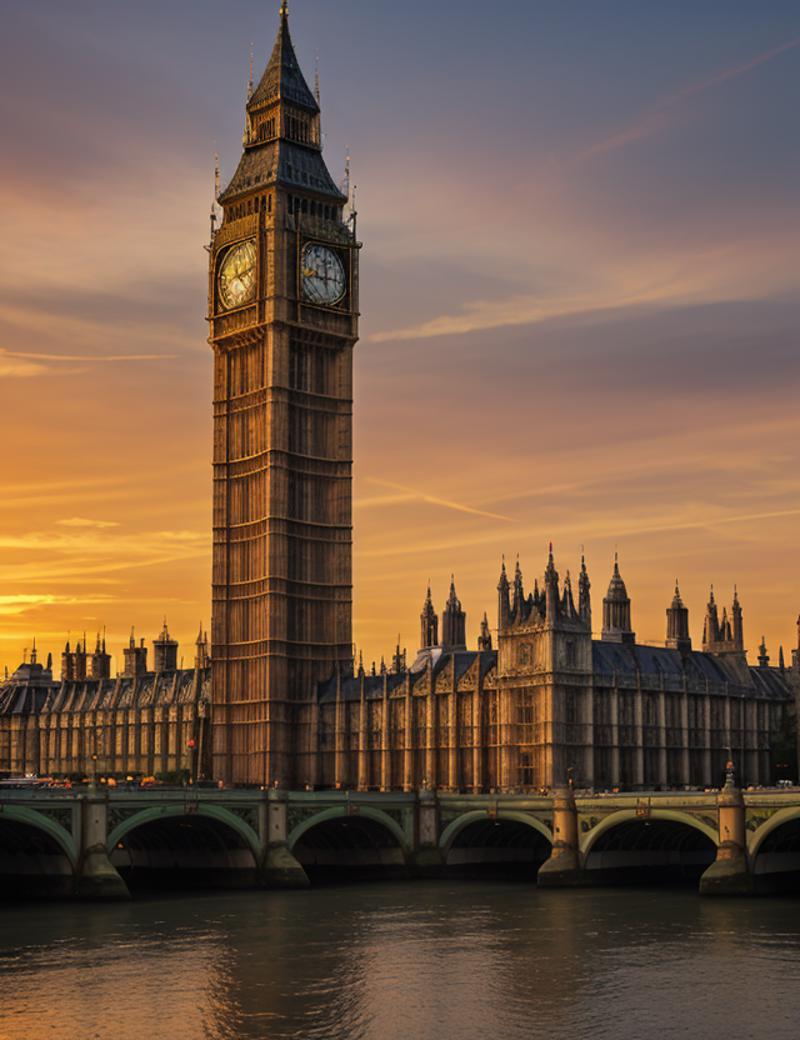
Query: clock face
324, 279
237, 276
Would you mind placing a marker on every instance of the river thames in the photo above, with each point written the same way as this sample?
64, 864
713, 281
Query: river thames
425, 961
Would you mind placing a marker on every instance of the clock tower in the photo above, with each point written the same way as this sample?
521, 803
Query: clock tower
283, 313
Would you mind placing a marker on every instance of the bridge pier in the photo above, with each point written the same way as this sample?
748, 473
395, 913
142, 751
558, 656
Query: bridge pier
563, 868
729, 875
279, 868
96, 878
426, 859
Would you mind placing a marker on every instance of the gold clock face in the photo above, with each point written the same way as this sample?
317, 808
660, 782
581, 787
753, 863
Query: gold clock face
324, 279
237, 276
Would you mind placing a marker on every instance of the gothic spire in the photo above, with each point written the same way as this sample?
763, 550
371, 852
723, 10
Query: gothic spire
429, 623
584, 594
504, 603
617, 610
485, 638
283, 80
678, 623
454, 621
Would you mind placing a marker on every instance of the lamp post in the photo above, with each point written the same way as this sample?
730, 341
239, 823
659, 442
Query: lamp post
191, 744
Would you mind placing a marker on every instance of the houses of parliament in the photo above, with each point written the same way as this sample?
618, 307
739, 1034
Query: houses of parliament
277, 697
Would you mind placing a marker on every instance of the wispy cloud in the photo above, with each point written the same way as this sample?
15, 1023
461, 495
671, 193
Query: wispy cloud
408, 494
100, 359
15, 364
667, 112
11, 368
81, 521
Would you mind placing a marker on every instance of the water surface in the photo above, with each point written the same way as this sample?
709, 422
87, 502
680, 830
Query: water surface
417, 961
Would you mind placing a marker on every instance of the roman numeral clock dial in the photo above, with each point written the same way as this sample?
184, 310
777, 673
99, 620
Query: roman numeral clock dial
237, 276
323, 276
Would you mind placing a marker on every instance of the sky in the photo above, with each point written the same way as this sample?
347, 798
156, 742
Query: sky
579, 293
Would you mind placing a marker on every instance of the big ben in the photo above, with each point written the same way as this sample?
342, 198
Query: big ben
283, 312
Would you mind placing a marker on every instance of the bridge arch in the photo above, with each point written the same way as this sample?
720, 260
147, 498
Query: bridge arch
508, 844
206, 846
212, 812
454, 828
665, 846
39, 822
588, 840
775, 853
340, 844
38, 856
782, 816
341, 812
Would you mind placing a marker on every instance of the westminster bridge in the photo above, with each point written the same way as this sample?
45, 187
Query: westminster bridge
100, 843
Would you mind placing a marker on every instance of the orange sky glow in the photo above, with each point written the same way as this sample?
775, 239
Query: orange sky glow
575, 329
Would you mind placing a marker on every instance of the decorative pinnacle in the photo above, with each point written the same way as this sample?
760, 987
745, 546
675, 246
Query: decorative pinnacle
284, 8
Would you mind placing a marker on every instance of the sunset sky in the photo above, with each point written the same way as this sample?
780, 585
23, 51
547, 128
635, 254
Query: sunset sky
579, 291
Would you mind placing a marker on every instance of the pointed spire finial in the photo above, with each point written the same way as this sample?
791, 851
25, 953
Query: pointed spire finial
284, 9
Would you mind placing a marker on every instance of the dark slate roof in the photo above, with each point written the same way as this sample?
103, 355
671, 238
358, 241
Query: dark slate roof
771, 682
662, 662
104, 694
284, 162
463, 660
283, 77
351, 687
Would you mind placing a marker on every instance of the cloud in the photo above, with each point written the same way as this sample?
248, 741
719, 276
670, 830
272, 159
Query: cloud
80, 521
408, 494
10, 368
16, 605
665, 114
83, 358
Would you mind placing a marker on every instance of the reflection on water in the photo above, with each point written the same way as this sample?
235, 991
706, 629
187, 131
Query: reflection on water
412, 961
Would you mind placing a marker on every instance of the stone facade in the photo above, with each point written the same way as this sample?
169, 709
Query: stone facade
550, 703
283, 373
141, 723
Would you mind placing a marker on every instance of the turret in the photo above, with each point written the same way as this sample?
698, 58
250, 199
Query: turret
551, 589
101, 661
711, 624
504, 602
135, 659
678, 637
738, 626
725, 636
67, 663
165, 652
567, 602
584, 595
454, 622
398, 659
79, 670
617, 610
201, 657
485, 638
429, 623
518, 603
763, 656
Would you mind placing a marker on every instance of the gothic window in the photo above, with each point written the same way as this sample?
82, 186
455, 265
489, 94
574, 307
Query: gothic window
571, 656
